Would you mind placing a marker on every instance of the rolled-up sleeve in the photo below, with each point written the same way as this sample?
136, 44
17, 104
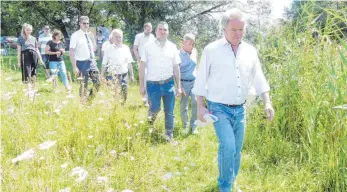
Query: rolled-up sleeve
260, 83
200, 85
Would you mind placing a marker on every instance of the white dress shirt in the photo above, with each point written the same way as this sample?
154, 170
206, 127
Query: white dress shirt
116, 59
226, 79
105, 45
160, 60
79, 42
141, 39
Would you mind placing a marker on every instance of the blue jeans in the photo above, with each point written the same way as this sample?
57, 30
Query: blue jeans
230, 132
54, 66
88, 69
121, 79
155, 92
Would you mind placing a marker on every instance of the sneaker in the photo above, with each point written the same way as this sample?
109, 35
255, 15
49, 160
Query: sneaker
171, 140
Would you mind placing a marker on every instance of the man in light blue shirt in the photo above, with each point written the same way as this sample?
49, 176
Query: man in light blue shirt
43, 39
188, 55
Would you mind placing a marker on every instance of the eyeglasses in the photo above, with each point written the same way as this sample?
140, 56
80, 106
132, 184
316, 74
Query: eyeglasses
85, 23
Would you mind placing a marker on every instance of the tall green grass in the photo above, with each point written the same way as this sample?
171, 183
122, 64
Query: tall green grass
303, 149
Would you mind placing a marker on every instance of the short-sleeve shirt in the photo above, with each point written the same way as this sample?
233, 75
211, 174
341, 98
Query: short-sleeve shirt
30, 43
117, 58
54, 47
160, 61
43, 39
80, 44
141, 39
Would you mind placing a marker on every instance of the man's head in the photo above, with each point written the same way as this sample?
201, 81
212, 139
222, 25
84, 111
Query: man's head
162, 31
117, 36
46, 29
234, 26
188, 42
147, 27
84, 23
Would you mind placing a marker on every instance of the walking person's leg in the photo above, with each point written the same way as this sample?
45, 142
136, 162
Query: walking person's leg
184, 108
194, 112
34, 64
63, 75
154, 96
169, 106
227, 150
124, 86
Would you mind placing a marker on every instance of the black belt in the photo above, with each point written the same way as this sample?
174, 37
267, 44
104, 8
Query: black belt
234, 105
161, 82
187, 80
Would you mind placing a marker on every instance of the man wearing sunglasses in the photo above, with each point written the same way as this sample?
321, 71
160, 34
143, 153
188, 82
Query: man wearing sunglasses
82, 57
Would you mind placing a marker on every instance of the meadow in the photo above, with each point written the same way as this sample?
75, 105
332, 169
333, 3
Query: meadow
103, 146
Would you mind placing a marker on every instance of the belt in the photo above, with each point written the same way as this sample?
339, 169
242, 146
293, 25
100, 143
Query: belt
233, 105
161, 82
187, 80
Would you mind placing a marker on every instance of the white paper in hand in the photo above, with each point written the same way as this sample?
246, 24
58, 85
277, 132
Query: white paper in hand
209, 118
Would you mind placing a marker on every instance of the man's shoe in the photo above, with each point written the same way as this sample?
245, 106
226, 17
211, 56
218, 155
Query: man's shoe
171, 140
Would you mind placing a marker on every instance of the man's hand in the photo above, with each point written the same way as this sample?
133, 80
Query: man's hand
201, 112
183, 93
143, 90
76, 71
18, 64
178, 92
270, 112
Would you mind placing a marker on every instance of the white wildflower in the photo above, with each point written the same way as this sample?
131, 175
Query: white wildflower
41, 158
67, 189
113, 153
127, 125
90, 136
26, 155
48, 144
128, 138
150, 130
136, 125
64, 165
178, 173
343, 107
185, 168
81, 174
100, 119
132, 158
57, 111
10, 110
127, 190
167, 176
69, 96
102, 179
142, 122
177, 158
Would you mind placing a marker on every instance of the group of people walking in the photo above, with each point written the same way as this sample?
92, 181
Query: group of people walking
227, 69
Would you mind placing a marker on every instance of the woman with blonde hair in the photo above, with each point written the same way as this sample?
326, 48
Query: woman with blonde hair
55, 50
28, 54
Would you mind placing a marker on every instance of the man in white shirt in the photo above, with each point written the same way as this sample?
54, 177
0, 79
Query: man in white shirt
43, 39
117, 62
82, 57
227, 68
140, 40
161, 59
